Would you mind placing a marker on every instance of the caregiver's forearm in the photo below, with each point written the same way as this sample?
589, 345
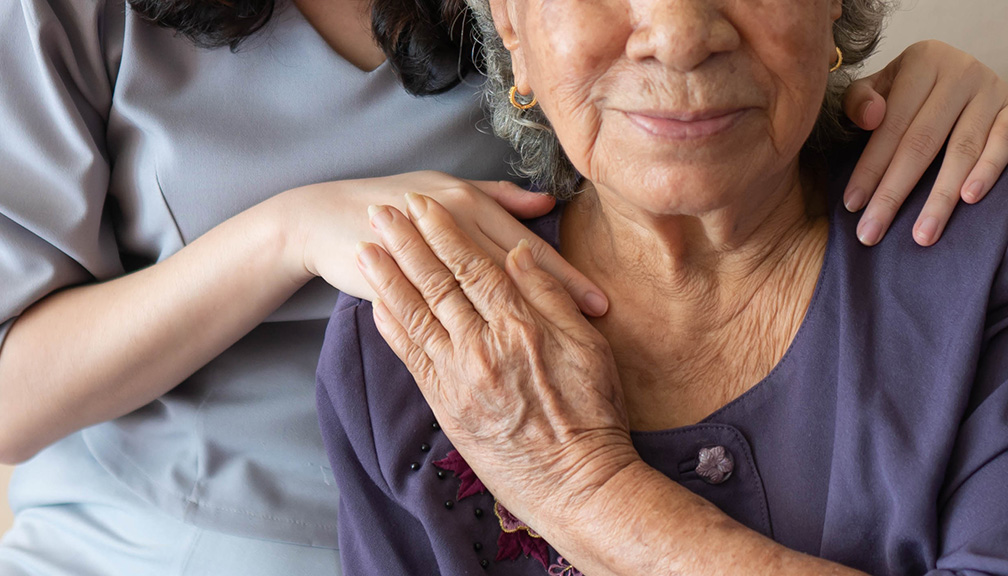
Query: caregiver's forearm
91, 353
641, 522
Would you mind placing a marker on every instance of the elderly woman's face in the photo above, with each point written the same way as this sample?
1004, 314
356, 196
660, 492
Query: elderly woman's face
685, 104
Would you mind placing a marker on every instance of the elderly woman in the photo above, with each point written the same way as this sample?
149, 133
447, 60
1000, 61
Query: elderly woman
799, 404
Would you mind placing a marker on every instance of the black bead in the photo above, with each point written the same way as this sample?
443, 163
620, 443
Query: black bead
435, 426
484, 563
478, 512
477, 546
414, 466
425, 447
449, 504
441, 474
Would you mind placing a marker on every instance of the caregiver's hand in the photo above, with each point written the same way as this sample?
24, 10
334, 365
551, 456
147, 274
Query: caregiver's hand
153, 322
328, 220
523, 385
912, 105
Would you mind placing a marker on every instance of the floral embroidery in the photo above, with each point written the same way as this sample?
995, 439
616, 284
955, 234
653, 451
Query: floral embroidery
563, 568
510, 523
458, 466
516, 538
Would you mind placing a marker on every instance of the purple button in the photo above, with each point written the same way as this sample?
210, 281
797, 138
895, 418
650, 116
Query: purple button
715, 464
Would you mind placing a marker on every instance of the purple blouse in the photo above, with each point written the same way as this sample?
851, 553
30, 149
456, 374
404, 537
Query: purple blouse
880, 440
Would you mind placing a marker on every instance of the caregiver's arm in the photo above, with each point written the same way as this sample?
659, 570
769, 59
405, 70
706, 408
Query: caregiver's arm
98, 350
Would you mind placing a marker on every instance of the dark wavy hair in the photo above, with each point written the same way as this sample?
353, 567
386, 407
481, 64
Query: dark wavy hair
429, 43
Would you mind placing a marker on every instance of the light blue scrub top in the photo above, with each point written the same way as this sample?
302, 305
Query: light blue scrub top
119, 144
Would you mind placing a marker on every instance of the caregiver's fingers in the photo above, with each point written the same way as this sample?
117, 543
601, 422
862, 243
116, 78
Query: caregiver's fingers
516, 200
864, 103
402, 299
961, 155
905, 91
485, 284
542, 291
992, 162
914, 154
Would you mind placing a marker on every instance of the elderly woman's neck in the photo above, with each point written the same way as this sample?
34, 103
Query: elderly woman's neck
700, 308
731, 248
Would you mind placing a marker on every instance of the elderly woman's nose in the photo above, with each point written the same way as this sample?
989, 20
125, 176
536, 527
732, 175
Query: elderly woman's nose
680, 33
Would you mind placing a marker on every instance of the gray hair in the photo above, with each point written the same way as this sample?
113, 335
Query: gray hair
540, 156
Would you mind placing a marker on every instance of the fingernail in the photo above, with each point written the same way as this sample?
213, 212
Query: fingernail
973, 191
523, 255
869, 232
854, 199
416, 203
926, 232
367, 254
380, 216
864, 112
596, 303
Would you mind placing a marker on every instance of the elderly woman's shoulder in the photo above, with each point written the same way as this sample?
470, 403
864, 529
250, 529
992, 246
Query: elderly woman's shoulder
947, 287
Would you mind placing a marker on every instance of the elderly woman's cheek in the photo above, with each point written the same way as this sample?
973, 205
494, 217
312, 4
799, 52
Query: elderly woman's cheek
574, 36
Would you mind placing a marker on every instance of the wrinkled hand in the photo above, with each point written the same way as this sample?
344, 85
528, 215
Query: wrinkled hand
329, 220
522, 384
930, 91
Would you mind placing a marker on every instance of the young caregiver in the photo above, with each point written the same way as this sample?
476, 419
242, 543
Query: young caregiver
176, 218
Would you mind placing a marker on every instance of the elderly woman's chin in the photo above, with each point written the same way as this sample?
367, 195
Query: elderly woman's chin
731, 165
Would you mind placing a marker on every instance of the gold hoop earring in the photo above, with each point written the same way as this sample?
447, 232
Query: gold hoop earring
513, 96
839, 60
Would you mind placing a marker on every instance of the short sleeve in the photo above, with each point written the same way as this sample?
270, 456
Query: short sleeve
973, 506
55, 99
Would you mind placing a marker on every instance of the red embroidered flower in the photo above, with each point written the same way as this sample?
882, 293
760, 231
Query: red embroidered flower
457, 465
563, 568
518, 538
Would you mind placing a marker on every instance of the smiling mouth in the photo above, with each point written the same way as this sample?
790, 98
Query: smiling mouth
691, 126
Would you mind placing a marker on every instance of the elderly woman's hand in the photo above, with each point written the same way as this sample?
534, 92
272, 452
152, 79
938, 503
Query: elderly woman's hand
524, 386
528, 392
912, 105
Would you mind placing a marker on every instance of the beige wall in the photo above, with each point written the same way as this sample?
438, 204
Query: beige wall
977, 26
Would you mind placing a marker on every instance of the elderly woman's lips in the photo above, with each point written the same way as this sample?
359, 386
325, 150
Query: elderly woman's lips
686, 126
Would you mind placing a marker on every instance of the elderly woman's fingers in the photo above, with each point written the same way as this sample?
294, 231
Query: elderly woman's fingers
410, 352
585, 293
962, 153
496, 231
992, 162
542, 291
401, 298
486, 286
424, 271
